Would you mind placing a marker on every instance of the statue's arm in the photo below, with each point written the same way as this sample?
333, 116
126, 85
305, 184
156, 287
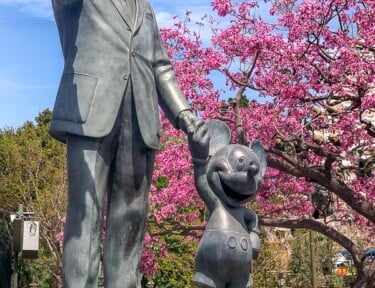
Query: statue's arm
65, 3
251, 219
199, 142
171, 98
202, 186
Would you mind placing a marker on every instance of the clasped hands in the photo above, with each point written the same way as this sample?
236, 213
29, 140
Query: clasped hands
198, 136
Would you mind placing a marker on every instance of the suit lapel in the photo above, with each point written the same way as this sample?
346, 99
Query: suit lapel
139, 14
118, 5
139, 17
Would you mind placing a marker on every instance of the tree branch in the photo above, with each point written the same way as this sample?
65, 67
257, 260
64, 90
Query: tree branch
318, 227
331, 183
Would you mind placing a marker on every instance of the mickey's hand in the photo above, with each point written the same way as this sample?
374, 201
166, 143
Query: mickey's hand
199, 142
255, 243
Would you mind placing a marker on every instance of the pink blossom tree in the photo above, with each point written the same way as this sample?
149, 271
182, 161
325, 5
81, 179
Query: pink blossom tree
307, 70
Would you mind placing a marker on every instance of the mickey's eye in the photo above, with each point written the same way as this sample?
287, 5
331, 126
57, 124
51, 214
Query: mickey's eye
241, 163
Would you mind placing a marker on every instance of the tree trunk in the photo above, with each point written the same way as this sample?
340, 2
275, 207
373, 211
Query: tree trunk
5, 254
365, 265
366, 274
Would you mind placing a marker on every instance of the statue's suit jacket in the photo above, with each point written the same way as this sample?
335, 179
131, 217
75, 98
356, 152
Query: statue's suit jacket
101, 50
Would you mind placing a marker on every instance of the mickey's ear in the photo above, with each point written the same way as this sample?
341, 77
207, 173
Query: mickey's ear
258, 149
219, 134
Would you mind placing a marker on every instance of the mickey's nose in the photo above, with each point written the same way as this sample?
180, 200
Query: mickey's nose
253, 169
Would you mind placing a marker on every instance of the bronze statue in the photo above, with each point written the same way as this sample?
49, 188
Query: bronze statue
116, 73
233, 176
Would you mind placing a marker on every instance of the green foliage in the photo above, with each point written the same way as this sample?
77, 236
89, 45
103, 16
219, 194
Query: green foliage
244, 102
37, 271
272, 258
177, 270
300, 259
32, 173
284, 261
301, 266
31, 163
161, 183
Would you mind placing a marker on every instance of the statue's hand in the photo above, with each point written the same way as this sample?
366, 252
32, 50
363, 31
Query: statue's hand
199, 142
186, 121
255, 243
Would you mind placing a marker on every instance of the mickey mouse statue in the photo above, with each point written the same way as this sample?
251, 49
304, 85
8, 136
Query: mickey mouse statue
232, 176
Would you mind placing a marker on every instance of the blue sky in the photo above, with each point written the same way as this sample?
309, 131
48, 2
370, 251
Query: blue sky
30, 55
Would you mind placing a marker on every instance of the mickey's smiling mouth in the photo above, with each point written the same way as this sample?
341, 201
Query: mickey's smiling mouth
233, 195
237, 186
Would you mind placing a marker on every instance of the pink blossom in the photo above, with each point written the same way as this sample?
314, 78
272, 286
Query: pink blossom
310, 71
223, 7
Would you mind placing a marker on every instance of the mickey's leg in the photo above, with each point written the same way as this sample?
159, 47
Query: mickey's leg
203, 281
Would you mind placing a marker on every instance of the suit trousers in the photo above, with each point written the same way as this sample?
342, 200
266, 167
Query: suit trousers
107, 176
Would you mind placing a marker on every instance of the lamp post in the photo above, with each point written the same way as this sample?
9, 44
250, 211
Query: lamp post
25, 239
314, 280
17, 221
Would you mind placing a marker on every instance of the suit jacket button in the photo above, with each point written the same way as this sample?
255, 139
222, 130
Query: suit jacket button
125, 77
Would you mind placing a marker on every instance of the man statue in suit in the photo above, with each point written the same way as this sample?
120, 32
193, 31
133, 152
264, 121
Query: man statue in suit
116, 73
